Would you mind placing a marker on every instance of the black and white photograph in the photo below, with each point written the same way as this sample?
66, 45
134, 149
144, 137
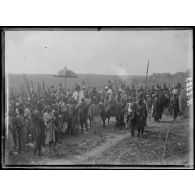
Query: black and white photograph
98, 97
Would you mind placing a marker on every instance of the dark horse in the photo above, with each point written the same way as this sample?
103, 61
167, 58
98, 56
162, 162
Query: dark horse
106, 112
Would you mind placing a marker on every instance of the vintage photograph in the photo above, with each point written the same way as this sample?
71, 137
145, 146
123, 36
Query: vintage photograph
98, 97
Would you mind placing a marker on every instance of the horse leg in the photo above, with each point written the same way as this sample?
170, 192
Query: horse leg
108, 120
90, 120
142, 131
104, 120
81, 123
139, 130
86, 126
132, 131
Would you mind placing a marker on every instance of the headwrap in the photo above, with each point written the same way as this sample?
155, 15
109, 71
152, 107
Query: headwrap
110, 91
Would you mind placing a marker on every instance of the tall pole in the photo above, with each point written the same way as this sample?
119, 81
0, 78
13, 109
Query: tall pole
65, 79
147, 73
87, 83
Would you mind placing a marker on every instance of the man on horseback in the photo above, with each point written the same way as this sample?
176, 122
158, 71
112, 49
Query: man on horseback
110, 100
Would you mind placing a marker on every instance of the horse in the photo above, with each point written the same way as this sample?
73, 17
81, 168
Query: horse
95, 119
121, 111
83, 112
107, 111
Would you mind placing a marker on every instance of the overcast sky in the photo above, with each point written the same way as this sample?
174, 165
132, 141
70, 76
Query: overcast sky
98, 52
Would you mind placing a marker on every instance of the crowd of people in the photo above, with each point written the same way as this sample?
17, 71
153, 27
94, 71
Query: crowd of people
42, 118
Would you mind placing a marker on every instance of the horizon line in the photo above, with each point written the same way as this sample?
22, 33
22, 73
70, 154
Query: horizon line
100, 74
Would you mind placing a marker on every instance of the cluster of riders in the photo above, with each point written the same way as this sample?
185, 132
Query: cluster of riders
41, 120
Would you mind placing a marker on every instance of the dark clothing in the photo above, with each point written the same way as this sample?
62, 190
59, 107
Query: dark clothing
39, 131
142, 116
83, 113
57, 126
72, 119
156, 109
19, 124
132, 118
174, 107
120, 112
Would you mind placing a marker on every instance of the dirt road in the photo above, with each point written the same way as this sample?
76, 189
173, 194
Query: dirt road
116, 148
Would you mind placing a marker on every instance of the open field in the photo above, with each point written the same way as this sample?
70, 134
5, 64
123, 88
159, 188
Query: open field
15, 81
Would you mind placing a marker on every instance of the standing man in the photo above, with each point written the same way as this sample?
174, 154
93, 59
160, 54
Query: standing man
156, 108
142, 116
27, 118
174, 106
37, 118
9, 133
48, 121
83, 113
19, 124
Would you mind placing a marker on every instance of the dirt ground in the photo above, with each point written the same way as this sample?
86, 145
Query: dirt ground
118, 147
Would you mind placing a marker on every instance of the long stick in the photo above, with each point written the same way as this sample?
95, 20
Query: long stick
32, 86
27, 84
41, 91
44, 88
38, 90
65, 79
87, 83
147, 72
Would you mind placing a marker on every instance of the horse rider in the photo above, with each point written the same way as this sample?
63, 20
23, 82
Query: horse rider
110, 100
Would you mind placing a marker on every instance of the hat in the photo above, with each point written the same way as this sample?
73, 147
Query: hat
110, 91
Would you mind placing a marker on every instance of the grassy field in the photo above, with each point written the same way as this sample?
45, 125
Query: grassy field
15, 81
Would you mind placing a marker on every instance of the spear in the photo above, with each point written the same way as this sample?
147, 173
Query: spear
147, 71
26, 83
87, 83
44, 88
32, 86
12, 93
38, 90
